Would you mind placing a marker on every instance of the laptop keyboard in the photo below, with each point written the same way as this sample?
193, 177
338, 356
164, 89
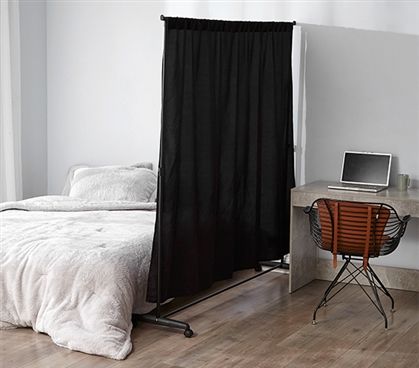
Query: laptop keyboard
360, 188
373, 187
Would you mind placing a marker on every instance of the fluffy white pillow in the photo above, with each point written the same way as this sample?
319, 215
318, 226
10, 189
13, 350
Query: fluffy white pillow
70, 173
113, 184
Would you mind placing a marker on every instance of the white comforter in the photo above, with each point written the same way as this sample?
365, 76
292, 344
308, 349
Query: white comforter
76, 270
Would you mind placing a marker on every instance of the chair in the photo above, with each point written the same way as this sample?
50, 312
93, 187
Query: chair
357, 231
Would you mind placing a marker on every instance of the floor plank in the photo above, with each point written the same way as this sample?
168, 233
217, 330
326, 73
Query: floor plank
256, 325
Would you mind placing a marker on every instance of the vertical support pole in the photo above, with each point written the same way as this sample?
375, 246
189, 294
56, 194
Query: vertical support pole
157, 318
158, 306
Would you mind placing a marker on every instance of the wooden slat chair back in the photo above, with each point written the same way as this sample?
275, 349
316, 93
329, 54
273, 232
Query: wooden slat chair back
359, 228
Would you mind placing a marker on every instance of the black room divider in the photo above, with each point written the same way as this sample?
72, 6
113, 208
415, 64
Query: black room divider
226, 156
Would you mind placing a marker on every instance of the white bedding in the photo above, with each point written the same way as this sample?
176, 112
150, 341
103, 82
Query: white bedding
76, 270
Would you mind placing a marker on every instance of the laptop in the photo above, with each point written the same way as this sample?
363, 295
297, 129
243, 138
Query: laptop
364, 172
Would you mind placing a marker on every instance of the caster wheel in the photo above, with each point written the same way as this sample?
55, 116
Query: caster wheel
325, 305
314, 323
392, 310
188, 333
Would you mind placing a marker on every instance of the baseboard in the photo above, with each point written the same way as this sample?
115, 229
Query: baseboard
391, 277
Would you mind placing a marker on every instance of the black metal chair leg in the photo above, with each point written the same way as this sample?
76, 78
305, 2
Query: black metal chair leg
377, 298
323, 301
384, 289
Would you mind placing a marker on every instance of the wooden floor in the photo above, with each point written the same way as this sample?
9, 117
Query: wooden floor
256, 325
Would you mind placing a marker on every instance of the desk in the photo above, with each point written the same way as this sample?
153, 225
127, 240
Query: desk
303, 253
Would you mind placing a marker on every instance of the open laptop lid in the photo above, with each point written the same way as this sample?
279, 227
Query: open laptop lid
366, 168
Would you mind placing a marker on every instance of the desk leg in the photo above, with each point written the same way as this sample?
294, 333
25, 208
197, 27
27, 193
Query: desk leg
303, 253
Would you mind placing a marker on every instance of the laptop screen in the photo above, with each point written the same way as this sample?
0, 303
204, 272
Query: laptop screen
366, 168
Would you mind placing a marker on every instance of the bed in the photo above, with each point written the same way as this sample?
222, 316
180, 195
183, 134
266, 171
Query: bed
76, 266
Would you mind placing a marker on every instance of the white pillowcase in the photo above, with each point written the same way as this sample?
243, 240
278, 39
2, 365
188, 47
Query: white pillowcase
113, 184
70, 173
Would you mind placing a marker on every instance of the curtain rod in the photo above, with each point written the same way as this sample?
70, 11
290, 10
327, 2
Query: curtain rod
162, 17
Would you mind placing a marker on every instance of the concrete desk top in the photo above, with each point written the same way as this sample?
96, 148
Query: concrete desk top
406, 203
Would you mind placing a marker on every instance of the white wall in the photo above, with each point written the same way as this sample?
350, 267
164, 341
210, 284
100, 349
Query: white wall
104, 75
33, 97
104, 63
391, 15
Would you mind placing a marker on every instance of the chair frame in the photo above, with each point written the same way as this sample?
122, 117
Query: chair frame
354, 270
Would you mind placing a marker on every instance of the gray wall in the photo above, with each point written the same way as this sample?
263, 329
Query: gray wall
33, 97
363, 94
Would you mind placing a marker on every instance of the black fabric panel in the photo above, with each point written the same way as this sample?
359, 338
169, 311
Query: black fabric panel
226, 154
